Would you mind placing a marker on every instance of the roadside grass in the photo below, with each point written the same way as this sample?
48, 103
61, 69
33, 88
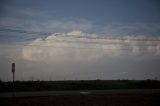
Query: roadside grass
86, 100
79, 85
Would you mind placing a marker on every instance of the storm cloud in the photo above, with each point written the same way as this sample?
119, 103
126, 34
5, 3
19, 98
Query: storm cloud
80, 46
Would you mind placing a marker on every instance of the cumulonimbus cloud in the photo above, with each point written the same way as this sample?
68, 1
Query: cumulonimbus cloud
74, 45
77, 45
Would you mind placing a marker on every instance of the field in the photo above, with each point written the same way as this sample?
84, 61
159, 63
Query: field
86, 100
79, 85
127, 99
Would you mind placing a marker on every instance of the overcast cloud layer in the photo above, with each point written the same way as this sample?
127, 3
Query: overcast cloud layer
82, 39
79, 55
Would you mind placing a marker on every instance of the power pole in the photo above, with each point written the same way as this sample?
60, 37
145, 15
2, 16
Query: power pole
13, 70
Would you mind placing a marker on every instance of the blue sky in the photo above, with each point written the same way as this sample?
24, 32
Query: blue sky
103, 17
99, 11
79, 19
137, 17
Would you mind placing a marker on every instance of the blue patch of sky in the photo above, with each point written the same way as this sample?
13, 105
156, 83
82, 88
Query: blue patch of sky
100, 12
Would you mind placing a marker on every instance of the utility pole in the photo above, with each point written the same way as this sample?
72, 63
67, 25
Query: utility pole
13, 70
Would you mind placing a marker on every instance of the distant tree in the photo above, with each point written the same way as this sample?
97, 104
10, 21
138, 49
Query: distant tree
156, 78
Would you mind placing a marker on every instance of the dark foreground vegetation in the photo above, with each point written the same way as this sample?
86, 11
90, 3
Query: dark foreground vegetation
86, 100
79, 85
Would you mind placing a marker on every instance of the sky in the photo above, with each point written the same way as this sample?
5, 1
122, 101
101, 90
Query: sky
80, 39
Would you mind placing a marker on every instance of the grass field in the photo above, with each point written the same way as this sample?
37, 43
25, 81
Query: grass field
86, 100
131, 99
79, 85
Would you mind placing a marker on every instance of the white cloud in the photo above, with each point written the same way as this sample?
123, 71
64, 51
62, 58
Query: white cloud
74, 45
134, 44
154, 50
80, 46
136, 50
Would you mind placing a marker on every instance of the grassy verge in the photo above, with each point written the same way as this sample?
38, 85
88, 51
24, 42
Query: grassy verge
87, 100
79, 85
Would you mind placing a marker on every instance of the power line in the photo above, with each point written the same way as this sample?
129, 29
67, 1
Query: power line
49, 33
87, 43
72, 47
24, 31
